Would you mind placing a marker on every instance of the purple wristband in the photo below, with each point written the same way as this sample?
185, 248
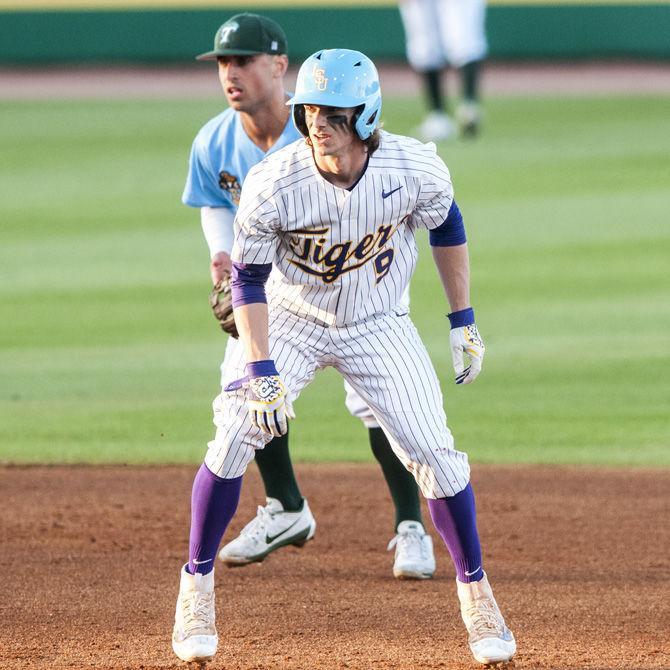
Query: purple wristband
261, 369
464, 317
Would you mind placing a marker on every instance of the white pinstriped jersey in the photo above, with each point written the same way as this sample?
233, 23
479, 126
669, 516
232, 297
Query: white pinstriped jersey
341, 255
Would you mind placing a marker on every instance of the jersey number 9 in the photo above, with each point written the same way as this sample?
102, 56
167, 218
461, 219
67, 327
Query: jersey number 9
383, 264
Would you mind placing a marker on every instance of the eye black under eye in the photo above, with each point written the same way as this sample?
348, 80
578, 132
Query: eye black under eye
337, 119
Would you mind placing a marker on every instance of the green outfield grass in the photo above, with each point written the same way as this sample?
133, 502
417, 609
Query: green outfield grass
108, 351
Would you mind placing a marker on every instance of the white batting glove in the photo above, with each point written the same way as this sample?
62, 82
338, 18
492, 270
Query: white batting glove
464, 338
269, 406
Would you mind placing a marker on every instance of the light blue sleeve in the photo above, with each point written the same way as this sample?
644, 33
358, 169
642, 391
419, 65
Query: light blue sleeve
202, 182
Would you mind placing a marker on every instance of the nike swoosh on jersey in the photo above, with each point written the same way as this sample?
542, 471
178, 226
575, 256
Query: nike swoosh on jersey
386, 195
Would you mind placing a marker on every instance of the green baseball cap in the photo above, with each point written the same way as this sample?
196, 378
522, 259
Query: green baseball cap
245, 35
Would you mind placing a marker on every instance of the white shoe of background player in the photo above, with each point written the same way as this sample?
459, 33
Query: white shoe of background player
437, 126
269, 530
414, 558
194, 636
489, 638
469, 117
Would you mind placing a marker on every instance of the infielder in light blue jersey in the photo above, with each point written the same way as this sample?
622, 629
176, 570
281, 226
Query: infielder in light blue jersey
221, 156
323, 254
250, 51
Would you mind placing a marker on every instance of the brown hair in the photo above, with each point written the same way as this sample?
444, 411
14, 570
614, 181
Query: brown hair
372, 143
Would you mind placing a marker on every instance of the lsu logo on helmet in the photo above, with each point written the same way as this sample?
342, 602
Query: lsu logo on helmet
320, 78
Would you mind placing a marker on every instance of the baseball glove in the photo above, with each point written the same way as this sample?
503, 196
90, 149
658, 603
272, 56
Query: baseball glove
221, 302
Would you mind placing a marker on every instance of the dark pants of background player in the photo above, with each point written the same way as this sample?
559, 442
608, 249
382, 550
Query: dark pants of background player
274, 464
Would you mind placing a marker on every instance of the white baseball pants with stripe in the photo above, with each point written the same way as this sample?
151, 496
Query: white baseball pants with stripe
441, 32
385, 361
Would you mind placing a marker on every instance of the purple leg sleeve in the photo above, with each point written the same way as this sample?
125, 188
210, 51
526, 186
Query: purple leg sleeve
455, 520
213, 504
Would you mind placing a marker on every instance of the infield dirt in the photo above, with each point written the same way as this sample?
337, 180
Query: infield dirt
91, 557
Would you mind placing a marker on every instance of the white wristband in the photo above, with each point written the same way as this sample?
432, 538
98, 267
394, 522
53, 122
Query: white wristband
217, 226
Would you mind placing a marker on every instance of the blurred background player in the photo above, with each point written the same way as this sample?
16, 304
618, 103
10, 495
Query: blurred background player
441, 33
251, 55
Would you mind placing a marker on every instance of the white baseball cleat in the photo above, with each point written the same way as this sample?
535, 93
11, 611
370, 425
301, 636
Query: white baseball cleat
269, 530
489, 638
437, 126
414, 558
469, 117
194, 636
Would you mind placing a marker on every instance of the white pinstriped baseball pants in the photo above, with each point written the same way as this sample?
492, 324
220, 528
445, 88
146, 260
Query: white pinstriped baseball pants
385, 361
354, 403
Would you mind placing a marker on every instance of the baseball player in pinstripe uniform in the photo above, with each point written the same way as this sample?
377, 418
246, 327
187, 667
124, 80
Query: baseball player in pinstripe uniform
324, 249
250, 50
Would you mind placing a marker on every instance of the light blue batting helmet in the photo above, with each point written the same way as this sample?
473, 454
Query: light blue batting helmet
339, 78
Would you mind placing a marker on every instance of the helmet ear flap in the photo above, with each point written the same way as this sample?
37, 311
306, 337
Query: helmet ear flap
356, 115
299, 119
363, 127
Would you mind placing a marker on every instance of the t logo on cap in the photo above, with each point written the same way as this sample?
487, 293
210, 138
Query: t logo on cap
246, 35
226, 31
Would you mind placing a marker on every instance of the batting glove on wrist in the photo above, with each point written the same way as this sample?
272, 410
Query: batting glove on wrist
464, 338
269, 406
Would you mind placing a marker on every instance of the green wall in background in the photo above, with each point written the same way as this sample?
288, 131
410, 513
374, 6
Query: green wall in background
515, 32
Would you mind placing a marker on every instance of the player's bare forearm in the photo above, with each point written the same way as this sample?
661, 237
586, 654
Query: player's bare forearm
252, 326
453, 266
